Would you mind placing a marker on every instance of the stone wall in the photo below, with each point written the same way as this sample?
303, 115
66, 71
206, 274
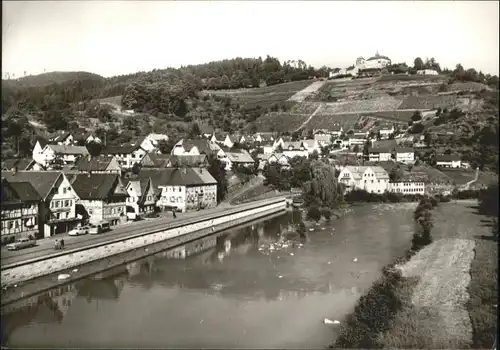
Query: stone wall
168, 238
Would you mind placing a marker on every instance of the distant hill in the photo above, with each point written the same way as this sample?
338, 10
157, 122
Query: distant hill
51, 78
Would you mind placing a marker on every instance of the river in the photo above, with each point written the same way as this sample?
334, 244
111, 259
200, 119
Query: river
234, 293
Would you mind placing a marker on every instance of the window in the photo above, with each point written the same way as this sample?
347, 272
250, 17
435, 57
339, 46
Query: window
64, 190
57, 204
66, 203
10, 225
52, 205
58, 216
90, 211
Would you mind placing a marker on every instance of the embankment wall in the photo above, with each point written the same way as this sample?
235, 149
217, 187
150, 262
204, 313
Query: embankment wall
170, 237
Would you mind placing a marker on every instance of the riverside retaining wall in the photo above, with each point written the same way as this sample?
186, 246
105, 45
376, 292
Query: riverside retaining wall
170, 238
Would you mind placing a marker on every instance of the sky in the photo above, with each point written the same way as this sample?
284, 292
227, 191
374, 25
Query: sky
120, 37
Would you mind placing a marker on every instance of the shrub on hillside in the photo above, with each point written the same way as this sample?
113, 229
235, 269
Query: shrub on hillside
314, 213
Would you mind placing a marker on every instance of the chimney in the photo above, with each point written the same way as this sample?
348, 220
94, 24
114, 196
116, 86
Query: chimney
89, 173
14, 169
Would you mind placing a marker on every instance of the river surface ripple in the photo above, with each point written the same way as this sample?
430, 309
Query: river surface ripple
237, 294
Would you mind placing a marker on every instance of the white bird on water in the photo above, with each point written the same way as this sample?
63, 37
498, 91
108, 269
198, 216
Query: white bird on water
355, 259
328, 321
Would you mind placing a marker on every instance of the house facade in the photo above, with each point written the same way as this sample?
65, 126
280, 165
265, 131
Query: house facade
448, 161
407, 187
379, 155
103, 197
311, 146
127, 155
372, 179
65, 154
238, 157
141, 196
386, 131
187, 189
20, 207
405, 155
57, 213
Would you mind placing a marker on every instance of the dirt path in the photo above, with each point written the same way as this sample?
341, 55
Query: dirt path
443, 268
301, 95
310, 117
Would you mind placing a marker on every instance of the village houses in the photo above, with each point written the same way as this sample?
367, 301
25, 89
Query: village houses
57, 213
102, 196
20, 210
238, 157
405, 155
194, 147
380, 154
264, 137
142, 198
372, 179
98, 165
295, 149
160, 161
272, 158
52, 154
358, 138
62, 138
127, 155
183, 189
448, 161
386, 131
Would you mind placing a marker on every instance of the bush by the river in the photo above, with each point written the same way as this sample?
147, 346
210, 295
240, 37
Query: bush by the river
386, 197
314, 213
326, 213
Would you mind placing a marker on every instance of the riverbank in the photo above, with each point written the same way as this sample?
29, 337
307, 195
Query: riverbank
439, 298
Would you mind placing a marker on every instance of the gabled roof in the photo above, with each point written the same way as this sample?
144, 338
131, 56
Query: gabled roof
42, 181
178, 177
19, 163
141, 187
60, 136
97, 186
379, 150
18, 192
204, 146
326, 138
241, 156
358, 171
72, 150
447, 158
249, 138
99, 163
404, 150
123, 149
235, 138
294, 145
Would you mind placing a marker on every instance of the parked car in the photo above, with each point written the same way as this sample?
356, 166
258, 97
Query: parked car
99, 228
21, 243
82, 230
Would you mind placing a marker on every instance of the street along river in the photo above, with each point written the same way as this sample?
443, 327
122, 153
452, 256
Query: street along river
251, 287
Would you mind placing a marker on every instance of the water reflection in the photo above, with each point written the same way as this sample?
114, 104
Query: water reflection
224, 282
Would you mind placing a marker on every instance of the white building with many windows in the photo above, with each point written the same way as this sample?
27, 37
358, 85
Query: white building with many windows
373, 179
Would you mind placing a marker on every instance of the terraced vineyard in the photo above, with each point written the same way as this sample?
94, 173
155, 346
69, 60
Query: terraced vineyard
379, 104
429, 102
280, 121
264, 96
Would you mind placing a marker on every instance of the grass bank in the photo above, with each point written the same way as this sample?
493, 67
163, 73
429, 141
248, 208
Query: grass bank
483, 291
443, 295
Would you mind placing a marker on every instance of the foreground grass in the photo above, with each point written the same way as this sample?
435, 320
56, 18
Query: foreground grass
483, 291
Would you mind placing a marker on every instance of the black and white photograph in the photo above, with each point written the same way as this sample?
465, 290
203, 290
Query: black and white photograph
249, 174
